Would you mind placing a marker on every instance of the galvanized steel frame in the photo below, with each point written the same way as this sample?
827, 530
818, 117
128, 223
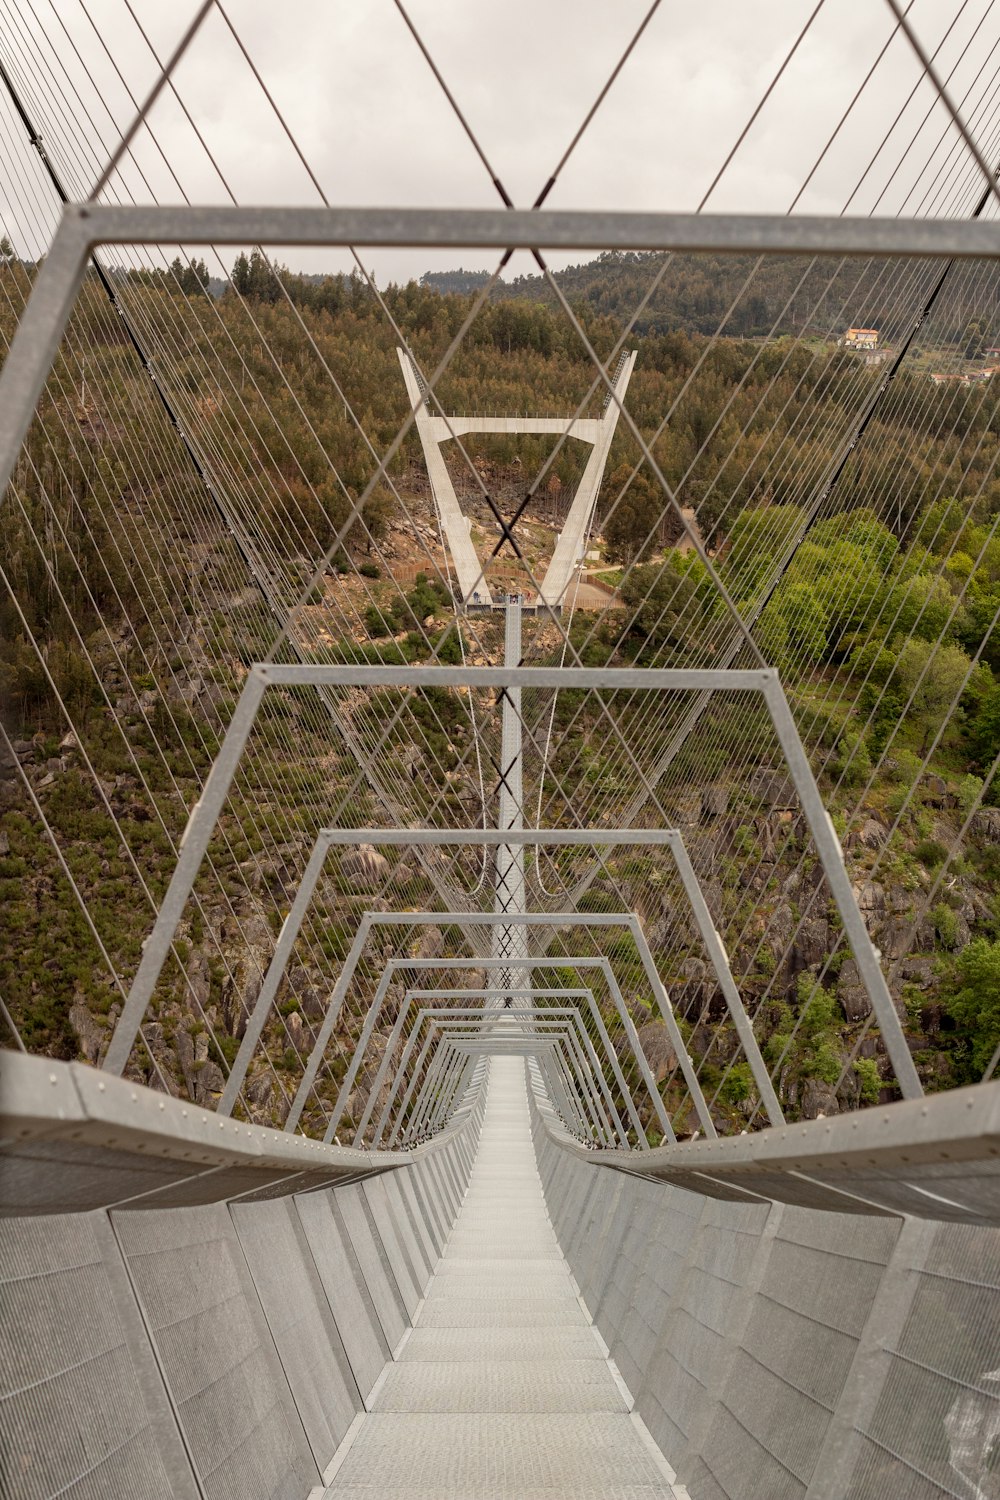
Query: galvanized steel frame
329, 838
430, 994
435, 1096
764, 681
521, 919
584, 1050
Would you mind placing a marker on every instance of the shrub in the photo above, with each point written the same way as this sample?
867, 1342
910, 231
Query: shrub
931, 853
945, 924
869, 1082
376, 622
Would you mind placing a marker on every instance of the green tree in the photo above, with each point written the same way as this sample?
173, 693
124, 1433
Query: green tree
975, 1003
759, 539
933, 676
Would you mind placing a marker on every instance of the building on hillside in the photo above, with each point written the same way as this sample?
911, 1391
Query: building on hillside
860, 338
965, 377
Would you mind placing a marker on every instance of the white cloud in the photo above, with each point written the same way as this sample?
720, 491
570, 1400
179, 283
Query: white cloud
376, 128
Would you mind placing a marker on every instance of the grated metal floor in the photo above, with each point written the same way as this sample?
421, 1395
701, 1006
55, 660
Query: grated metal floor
502, 1389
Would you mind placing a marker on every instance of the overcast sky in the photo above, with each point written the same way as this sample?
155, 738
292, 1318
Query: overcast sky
376, 128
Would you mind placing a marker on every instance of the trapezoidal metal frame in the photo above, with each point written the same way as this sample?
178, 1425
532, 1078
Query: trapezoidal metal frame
763, 681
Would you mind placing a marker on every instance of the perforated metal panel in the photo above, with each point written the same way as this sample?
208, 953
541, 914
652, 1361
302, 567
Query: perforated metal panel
352, 1205
345, 1288
215, 1350
935, 1426
73, 1421
302, 1326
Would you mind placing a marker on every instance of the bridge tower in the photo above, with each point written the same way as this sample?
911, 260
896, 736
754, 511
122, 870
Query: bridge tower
597, 431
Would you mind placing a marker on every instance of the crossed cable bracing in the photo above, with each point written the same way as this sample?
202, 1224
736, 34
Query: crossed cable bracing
574, 799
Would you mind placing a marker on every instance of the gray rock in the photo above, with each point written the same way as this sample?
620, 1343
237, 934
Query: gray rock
851, 993
714, 801
198, 981
687, 808
184, 1044
935, 790
896, 938
812, 943
90, 1035
259, 1090
365, 865
818, 1098
773, 788
985, 824
920, 969
870, 897
871, 835
295, 1029
210, 1083
430, 943
654, 1039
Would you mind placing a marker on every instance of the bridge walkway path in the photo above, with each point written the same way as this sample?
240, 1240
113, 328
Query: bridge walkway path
502, 1388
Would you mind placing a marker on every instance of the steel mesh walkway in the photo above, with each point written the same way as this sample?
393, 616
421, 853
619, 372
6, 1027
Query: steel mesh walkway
503, 1387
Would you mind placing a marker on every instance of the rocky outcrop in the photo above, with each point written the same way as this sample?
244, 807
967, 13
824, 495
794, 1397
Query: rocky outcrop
654, 1039
366, 866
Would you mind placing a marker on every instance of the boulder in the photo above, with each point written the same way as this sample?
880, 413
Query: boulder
654, 1039
365, 865
935, 790
871, 835
90, 1035
430, 943
773, 788
210, 1083
258, 1091
714, 801
851, 993
812, 943
818, 1098
686, 808
985, 824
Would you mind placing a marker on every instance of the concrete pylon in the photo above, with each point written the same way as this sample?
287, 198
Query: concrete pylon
568, 553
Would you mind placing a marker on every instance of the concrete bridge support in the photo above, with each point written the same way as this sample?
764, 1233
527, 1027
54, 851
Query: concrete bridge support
568, 553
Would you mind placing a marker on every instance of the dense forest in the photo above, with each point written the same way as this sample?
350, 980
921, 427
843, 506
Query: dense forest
745, 297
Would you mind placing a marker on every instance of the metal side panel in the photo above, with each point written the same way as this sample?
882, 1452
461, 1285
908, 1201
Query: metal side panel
390, 1232
216, 1353
345, 1288
375, 1267
425, 1197
73, 1414
302, 1326
402, 1190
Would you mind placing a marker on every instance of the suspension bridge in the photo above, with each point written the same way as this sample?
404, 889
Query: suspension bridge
458, 1043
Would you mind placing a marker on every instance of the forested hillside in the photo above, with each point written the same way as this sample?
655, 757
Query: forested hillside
748, 298
870, 575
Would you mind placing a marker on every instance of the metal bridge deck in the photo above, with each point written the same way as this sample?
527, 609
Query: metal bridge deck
503, 1387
